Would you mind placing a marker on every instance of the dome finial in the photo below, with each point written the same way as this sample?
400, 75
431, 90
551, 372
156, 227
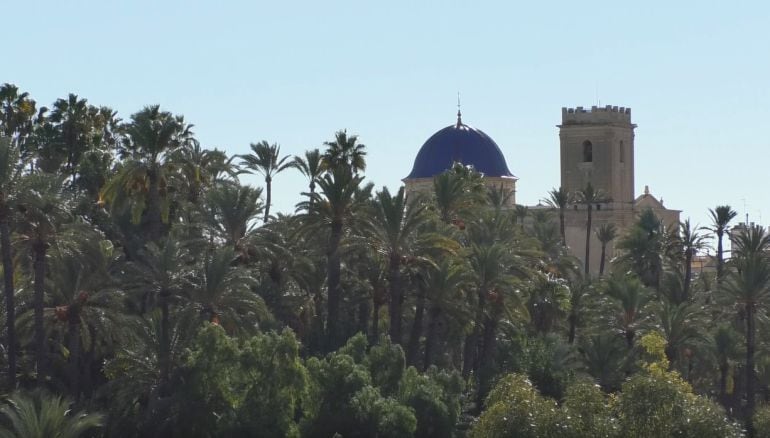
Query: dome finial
459, 114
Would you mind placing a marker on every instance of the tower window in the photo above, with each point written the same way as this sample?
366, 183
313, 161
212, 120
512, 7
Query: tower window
588, 152
622, 152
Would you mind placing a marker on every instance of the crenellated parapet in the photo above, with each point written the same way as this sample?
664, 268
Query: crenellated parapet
606, 114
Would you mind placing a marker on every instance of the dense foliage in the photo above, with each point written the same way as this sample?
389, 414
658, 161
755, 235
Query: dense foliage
150, 292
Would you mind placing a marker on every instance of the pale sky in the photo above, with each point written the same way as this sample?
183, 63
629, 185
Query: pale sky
696, 75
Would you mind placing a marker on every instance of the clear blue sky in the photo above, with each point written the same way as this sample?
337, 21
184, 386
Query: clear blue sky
696, 74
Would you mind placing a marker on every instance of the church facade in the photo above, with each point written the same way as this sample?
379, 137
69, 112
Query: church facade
596, 146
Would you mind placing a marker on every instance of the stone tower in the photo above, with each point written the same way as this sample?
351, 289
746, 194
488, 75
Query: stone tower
597, 146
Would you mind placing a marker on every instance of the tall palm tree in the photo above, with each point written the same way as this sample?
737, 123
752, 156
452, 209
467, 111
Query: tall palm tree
720, 221
74, 123
162, 275
547, 303
589, 196
39, 415
606, 233
725, 348
231, 211
559, 198
445, 285
643, 248
224, 295
749, 284
456, 192
10, 172
395, 222
84, 298
151, 140
44, 208
692, 241
202, 168
266, 159
311, 165
334, 206
605, 357
680, 324
345, 151
629, 298
17, 112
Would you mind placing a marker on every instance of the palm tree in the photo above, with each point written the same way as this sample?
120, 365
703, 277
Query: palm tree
395, 223
629, 298
152, 138
311, 165
203, 168
724, 347
606, 233
559, 198
39, 415
643, 247
335, 207
73, 119
680, 324
44, 208
605, 357
17, 113
456, 192
224, 295
231, 210
266, 159
692, 241
589, 196
445, 284
84, 297
9, 179
158, 279
345, 151
492, 283
720, 220
749, 284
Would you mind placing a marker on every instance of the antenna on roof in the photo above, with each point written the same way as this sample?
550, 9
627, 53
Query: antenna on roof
459, 114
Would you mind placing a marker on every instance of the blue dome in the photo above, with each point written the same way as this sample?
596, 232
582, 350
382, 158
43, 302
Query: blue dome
459, 143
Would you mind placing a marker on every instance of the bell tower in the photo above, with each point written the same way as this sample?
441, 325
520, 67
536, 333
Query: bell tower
597, 146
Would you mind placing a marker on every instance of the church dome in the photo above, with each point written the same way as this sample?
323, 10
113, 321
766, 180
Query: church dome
459, 143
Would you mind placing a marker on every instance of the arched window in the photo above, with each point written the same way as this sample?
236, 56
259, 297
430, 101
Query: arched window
622, 152
588, 152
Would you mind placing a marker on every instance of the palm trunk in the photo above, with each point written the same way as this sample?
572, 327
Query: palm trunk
73, 318
165, 343
312, 192
394, 278
363, 317
630, 338
471, 342
39, 250
268, 197
333, 284
723, 370
432, 336
487, 356
687, 275
10, 309
561, 227
720, 255
414, 337
750, 390
602, 259
375, 336
153, 204
588, 238
572, 326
